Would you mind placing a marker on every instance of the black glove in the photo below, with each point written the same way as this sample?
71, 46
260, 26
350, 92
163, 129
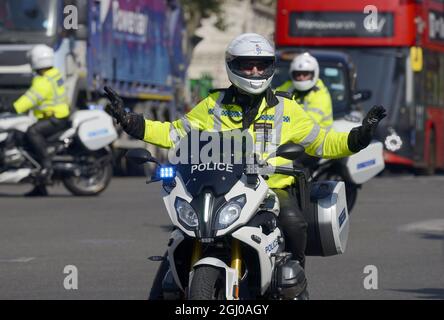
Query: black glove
132, 123
360, 137
115, 107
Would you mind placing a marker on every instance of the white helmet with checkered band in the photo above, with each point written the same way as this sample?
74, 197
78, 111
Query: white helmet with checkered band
304, 62
250, 51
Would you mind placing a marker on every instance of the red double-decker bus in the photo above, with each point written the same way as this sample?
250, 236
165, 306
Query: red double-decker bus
397, 47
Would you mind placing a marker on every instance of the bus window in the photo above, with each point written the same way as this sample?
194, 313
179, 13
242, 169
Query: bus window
381, 71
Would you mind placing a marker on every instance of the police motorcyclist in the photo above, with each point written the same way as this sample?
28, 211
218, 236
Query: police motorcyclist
251, 104
47, 99
309, 90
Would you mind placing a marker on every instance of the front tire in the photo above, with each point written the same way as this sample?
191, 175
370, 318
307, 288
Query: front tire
207, 284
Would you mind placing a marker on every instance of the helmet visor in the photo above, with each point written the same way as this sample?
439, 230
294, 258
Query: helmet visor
302, 75
252, 67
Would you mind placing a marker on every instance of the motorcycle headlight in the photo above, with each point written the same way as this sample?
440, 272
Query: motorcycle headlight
230, 212
186, 213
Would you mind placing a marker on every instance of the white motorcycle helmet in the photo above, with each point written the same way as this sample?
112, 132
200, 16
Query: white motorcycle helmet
41, 56
243, 54
302, 64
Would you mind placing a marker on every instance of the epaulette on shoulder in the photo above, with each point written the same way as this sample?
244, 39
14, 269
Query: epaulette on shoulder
284, 94
216, 90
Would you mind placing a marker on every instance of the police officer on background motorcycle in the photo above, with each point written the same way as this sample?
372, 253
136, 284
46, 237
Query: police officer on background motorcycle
309, 90
251, 104
47, 99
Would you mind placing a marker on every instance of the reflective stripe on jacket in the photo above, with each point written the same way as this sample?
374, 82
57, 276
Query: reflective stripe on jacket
289, 122
317, 102
46, 97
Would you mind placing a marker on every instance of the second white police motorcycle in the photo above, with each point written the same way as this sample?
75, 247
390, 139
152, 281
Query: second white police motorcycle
227, 242
81, 155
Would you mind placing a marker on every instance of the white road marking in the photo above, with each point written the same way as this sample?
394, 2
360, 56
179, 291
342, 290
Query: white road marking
21, 259
435, 226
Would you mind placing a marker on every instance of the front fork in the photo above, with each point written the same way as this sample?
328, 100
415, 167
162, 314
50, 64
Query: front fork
236, 259
197, 252
236, 263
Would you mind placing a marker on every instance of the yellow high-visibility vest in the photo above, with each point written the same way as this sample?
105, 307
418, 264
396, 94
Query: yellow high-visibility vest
317, 102
46, 97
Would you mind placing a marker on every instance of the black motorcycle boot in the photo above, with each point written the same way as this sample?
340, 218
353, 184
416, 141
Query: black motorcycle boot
38, 191
45, 176
42, 179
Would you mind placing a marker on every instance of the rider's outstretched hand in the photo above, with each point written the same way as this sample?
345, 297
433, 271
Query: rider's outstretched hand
132, 123
360, 137
372, 119
115, 107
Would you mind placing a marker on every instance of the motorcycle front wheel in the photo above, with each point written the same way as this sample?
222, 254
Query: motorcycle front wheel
207, 284
95, 176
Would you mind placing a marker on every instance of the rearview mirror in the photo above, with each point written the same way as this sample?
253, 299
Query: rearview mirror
140, 156
361, 95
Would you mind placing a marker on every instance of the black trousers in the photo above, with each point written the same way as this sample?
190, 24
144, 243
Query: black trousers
292, 221
37, 134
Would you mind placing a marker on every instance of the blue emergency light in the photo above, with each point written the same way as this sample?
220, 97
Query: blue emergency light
167, 172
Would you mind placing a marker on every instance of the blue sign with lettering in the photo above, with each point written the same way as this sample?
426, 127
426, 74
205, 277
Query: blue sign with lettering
365, 164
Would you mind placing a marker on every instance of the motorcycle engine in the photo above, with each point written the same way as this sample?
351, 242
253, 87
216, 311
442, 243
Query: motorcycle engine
12, 157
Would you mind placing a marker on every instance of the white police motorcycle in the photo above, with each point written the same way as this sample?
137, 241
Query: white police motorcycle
227, 242
81, 157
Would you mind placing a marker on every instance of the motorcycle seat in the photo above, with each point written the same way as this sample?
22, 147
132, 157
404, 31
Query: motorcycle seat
55, 136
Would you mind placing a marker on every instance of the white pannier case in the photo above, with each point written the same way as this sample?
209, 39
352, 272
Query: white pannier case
328, 222
366, 164
95, 128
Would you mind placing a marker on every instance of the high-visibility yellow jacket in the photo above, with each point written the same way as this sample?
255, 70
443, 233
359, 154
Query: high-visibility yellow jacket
288, 120
47, 97
317, 102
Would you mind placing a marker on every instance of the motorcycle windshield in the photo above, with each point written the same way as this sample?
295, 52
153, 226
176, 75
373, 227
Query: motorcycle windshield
210, 160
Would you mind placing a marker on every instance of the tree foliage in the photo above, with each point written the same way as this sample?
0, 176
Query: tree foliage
196, 10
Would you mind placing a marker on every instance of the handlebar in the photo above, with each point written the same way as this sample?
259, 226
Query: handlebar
295, 172
267, 170
301, 174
